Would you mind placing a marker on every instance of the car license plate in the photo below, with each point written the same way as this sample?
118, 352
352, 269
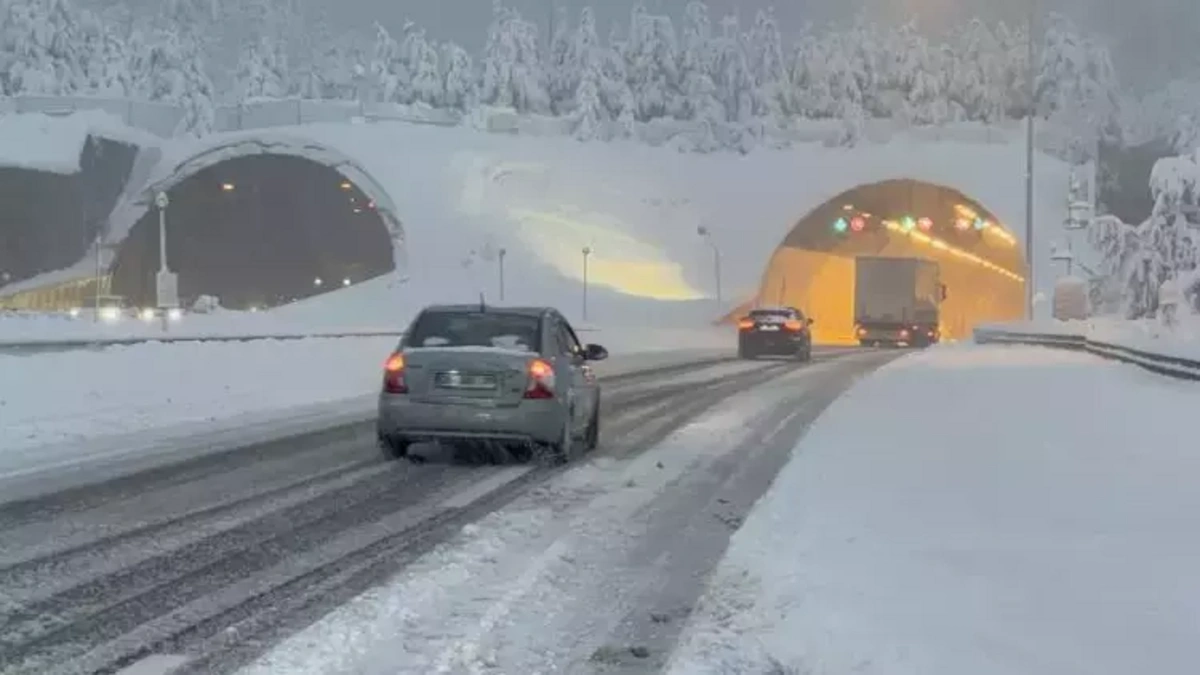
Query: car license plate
768, 328
457, 380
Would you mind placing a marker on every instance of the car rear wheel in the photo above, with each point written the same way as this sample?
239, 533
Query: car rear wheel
562, 450
393, 447
593, 431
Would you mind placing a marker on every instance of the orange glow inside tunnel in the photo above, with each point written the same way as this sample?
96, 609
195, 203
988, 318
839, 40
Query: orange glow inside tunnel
813, 268
822, 285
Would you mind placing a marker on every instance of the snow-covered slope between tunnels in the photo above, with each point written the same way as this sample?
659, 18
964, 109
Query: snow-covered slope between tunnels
461, 195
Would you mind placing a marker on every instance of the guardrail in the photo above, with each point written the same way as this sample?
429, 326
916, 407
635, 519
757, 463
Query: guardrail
36, 346
1171, 366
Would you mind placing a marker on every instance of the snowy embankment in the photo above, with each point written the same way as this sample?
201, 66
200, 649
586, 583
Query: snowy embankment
1148, 335
61, 406
1000, 514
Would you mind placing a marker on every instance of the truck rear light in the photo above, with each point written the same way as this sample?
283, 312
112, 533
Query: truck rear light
794, 325
541, 380
861, 331
393, 375
903, 332
745, 324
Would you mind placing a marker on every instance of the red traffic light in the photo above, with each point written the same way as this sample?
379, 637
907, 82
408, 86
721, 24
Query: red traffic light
858, 223
926, 224
962, 224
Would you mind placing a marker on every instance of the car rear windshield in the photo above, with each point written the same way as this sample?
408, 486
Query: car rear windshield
475, 329
772, 314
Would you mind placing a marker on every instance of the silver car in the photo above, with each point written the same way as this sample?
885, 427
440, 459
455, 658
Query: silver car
517, 376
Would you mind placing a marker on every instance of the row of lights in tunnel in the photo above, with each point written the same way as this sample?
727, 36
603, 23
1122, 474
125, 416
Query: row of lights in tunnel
920, 230
966, 220
344, 185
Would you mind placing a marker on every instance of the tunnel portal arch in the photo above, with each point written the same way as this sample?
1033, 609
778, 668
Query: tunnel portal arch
278, 194
981, 261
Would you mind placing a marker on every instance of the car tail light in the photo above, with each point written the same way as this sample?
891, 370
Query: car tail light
541, 380
793, 325
745, 324
862, 331
393, 375
903, 332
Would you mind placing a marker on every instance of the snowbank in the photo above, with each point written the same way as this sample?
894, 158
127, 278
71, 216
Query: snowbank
1000, 514
54, 143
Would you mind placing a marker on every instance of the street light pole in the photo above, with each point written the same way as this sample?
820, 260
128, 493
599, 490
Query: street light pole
1031, 92
500, 258
587, 251
707, 235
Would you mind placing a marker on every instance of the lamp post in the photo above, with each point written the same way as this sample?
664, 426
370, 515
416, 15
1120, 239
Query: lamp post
1031, 92
587, 252
500, 263
166, 287
708, 238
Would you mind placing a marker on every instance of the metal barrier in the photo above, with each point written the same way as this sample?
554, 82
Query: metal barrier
1162, 364
27, 347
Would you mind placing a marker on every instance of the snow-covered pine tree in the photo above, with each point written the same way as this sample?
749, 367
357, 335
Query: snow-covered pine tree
589, 109
731, 74
45, 49
651, 58
697, 59
764, 52
1076, 84
427, 85
560, 80
584, 59
512, 73
389, 78
458, 79
261, 72
173, 72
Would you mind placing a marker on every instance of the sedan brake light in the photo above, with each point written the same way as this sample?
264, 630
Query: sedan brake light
794, 325
745, 324
393, 375
541, 380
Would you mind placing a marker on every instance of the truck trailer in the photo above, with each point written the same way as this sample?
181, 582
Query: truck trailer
897, 301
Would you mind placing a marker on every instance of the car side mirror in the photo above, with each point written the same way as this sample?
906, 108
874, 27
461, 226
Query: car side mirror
811, 321
595, 353
942, 291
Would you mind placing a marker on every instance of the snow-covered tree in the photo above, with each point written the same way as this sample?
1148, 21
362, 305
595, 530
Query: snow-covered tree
47, 47
764, 53
458, 79
589, 109
512, 73
1076, 83
173, 71
651, 58
427, 85
561, 78
262, 71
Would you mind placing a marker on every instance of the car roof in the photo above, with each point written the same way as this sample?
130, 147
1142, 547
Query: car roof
774, 309
499, 309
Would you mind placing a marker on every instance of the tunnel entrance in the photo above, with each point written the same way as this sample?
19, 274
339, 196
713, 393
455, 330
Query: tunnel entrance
980, 261
258, 231
50, 220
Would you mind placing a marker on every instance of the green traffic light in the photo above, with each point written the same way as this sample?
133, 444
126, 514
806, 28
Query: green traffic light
908, 222
840, 225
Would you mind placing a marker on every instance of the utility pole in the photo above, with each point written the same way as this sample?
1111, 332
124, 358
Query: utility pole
500, 261
1031, 92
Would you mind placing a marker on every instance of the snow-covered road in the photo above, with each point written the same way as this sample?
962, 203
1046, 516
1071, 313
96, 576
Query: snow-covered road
593, 571
206, 563
1006, 511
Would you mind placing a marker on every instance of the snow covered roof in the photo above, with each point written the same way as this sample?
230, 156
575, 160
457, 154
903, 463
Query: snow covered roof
54, 143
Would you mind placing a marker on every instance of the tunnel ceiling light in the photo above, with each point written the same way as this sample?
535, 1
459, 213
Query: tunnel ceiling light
847, 207
940, 245
345, 282
317, 281
346, 185
227, 187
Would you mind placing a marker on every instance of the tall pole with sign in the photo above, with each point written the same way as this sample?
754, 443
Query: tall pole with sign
1031, 94
166, 283
500, 261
